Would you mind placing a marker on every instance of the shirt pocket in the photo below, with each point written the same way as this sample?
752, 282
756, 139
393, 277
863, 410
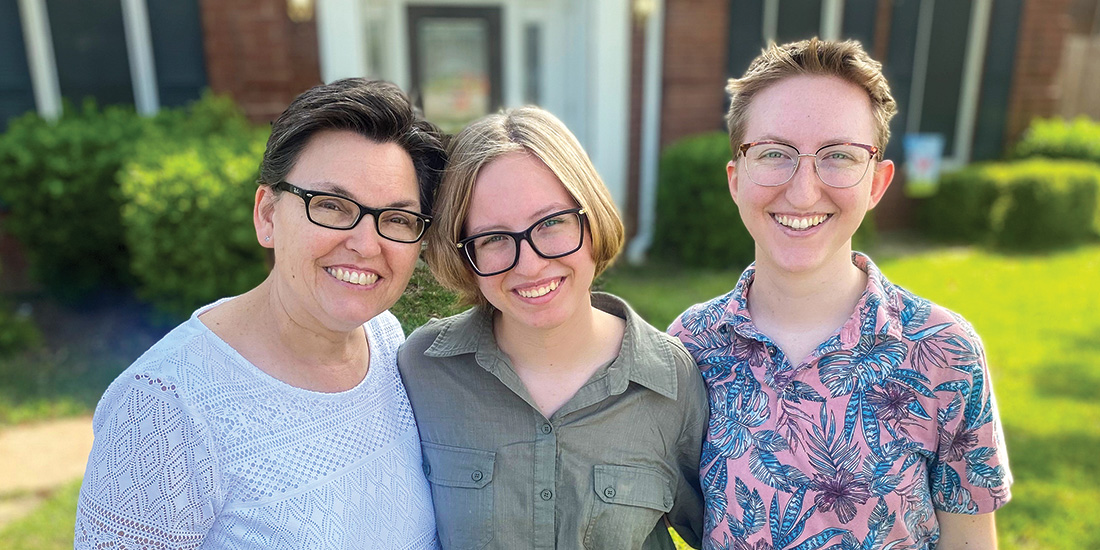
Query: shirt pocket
627, 504
462, 493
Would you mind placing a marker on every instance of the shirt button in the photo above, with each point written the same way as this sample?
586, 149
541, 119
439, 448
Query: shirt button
609, 492
547, 428
547, 494
427, 469
477, 475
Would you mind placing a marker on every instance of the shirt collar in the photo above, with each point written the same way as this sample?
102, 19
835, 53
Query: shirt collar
646, 357
880, 299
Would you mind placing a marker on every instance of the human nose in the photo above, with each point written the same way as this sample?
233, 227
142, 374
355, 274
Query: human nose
529, 262
364, 238
803, 189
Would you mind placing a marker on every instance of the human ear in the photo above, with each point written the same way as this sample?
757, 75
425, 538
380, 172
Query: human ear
263, 213
880, 181
731, 177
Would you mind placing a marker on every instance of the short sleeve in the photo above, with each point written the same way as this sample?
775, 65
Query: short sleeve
151, 479
969, 473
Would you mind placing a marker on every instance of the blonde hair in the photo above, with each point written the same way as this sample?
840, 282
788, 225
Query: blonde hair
526, 130
846, 60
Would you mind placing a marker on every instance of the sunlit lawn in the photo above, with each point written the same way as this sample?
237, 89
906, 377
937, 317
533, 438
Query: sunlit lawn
1039, 317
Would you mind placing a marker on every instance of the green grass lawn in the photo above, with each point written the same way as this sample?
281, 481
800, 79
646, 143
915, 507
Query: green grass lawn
1039, 317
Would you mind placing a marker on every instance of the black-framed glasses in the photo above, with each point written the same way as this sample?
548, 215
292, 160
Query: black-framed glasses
839, 165
341, 213
494, 252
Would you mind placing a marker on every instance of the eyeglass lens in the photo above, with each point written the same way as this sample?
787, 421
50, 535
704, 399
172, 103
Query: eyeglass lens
340, 213
552, 237
772, 164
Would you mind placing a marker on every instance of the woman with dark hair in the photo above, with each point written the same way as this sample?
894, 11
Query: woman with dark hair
277, 419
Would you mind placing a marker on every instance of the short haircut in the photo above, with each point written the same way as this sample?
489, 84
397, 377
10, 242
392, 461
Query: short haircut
375, 109
524, 130
846, 60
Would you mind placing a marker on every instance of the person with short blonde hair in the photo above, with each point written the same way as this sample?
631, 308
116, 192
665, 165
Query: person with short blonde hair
526, 129
845, 60
550, 416
846, 411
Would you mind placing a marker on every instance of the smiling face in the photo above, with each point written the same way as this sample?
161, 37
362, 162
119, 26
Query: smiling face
804, 225
511, 193
334, 280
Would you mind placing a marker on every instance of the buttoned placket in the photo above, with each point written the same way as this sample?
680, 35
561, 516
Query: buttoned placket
546, 473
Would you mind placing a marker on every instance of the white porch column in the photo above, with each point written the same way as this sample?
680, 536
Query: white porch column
609, 93
40, 58
343, 49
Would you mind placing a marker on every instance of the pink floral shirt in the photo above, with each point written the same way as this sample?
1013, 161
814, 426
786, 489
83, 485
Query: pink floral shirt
889, 420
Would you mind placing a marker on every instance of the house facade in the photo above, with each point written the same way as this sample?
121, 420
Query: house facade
627, 76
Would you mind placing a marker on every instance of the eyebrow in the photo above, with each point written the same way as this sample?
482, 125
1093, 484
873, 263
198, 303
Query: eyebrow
538, 215
824, 143
337, 189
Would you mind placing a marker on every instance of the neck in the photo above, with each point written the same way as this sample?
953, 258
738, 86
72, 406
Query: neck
267, 330
550, 348
810, 302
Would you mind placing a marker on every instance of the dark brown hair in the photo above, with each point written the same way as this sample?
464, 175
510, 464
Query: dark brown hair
375, 109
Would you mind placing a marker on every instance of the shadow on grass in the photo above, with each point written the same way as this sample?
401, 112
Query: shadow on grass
1066, 379
84, 348
1066, 458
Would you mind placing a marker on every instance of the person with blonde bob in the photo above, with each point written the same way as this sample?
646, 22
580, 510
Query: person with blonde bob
550, 416
846, 412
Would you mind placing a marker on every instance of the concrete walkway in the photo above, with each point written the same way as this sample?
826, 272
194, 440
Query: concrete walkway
38, 458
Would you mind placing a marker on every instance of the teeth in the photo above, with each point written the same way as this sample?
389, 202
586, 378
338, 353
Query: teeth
800, 224
353, 277
540, 291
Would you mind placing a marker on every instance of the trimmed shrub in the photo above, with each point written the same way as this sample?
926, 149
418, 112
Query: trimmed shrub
59, 183
961, 209
698, 224
1022, 205
1058, 138
188, 219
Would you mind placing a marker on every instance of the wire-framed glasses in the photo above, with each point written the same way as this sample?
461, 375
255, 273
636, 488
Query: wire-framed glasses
494, 252
773, 163
337, 212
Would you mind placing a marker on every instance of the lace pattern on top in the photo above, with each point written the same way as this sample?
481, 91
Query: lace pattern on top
197, 448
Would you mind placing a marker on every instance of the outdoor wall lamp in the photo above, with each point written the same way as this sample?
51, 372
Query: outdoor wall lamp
299, 11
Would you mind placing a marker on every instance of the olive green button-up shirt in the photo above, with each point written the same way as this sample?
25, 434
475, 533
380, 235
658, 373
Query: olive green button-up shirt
600, 473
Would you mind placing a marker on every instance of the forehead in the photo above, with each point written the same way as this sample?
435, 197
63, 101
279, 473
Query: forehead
369, 171
513, 189
810, 110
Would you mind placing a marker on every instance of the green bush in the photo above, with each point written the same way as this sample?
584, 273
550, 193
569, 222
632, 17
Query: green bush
188, 219
961, 209
58, 179
697, 221
698, 224
17, 332
1058, 138
1019, 205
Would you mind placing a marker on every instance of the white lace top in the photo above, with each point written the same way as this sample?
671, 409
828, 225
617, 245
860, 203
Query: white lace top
195, 447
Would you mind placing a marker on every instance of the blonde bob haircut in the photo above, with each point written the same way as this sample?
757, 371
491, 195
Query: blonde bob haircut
846, 60
527, 130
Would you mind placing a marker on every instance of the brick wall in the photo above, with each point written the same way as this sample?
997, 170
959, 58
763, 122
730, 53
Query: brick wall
257, 55
696, 38
1035, 93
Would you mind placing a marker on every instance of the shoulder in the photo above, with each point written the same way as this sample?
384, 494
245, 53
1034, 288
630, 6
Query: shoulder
448, 336
649, 348
385, 331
